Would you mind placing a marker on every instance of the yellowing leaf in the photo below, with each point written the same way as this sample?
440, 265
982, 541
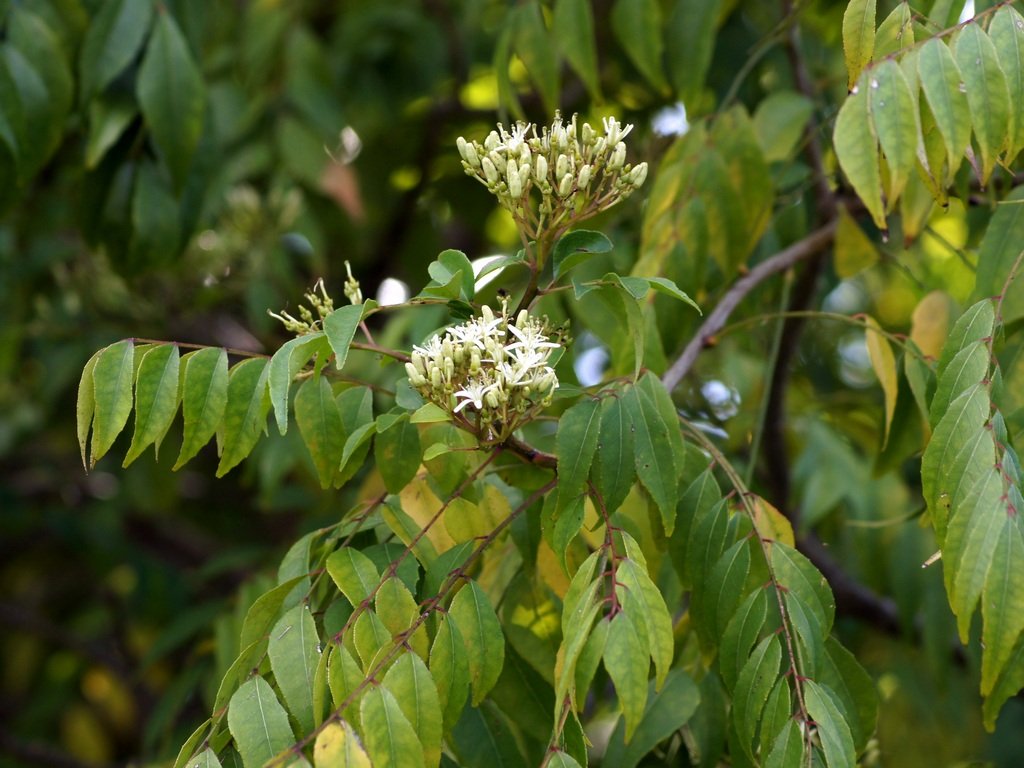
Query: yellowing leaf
893, 113
929, 324
856, 147
420, 503
337, 746
858, 37
884, 363
854, 251
771, 524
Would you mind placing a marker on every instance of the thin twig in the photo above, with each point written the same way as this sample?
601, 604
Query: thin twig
814, 243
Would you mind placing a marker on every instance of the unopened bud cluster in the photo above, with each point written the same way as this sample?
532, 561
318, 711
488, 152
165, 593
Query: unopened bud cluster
306, 322
576, 170
493, 371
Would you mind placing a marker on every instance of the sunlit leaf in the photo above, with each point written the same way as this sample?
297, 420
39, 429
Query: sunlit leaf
449, 665
627, 659
337, 746
112, 388
481, 632
321, 427
858, 37
245, 416
416, 694
388, 735
987, 94
340, 327
258, 723
156, 399
204, 396
892, 109
945, 91
284, 365
294, 652
857, 148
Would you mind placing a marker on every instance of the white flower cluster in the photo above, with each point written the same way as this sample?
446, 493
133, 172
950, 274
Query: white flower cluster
577, 171
491, 371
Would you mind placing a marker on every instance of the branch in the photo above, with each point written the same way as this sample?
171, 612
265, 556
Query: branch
811, 245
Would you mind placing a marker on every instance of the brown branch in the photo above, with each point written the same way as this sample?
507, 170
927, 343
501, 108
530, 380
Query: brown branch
810, 246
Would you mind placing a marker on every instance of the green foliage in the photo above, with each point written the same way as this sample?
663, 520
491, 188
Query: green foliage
490, 553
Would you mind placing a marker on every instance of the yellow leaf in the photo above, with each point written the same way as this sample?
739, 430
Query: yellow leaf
771, 524
929, 325
337, 745
854, 251
884, 363
420, 503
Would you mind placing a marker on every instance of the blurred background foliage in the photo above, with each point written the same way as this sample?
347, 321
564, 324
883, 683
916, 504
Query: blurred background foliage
173, 169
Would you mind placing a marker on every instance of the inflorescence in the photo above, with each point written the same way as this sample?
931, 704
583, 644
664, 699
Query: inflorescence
492, 372
577, 172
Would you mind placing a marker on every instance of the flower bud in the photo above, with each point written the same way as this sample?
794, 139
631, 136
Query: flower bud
522, 319
435, 377
487, 313
588, 135
515, 187
474, 360
471, 156
498, 159
525, 171
540, 168
490, 172
584, 177
419, 362
561, 167
492, 140
449, 368
492, 399
415, 377
638, 175
565, 185
618, 156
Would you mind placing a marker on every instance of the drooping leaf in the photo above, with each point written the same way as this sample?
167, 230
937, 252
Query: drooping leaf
156, 399
354, 573
576, 442
755, 682
659, 448
258, 723
572, 24
854, 687
655, 615
857, 148
893, 110
340, 327
895, 33
945, 91
450, 667
481, 632
803, 582
883, 361
294, 652
666, 712
638, 26
172, 96
976, 324
112, 41
284, 365
245, 415
1007, 33
398, 453
319, 420
615, 469
1000, 248
987, 93
858, 37
740, 636
112, 388
830, 720
337, 746
389, 737
627, 659
416, 693
204, 396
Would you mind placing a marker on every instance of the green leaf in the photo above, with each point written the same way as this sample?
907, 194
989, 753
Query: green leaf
245, 415
112, 387
452, 268
779, 122
634, 577
577, 247
1002, 606
1007, 33
755, 682
263, 612
413, 687
691, 42
398, 611
449, 664
340, 327
388, 735
615, 469
86, 405
575, 444
638, 26
895, 33
572, 25
204, 396
535, 47
741, 635
1000, 247
987, 93
481, 633
344, 678
294, 652
883, 361
666, 712
857, 148
398, 453
321, 427
854, 687
854, 251
626, 657
976, 324
189, 747
893, 112
112, 40
156, 219
969, 367
669, 288
172, 96
559, 759
836, 741
258, 723
787, 748
659, 446
109, 116
723, 589
337, 746
370, 636
858, 37
284, 365
354, 573
484, 738
941, 82
12, 121
803, 582
156, 399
